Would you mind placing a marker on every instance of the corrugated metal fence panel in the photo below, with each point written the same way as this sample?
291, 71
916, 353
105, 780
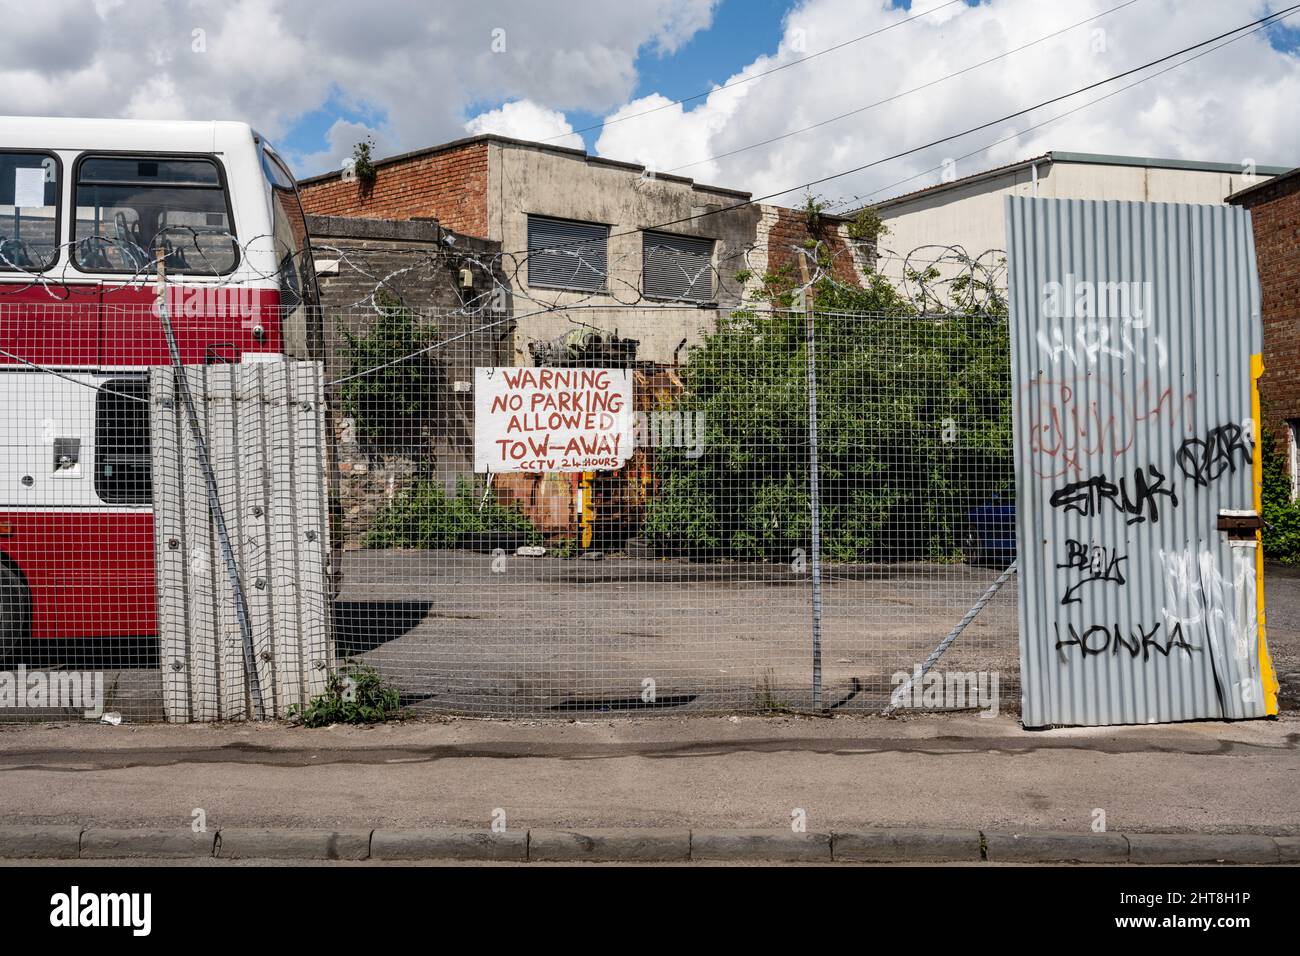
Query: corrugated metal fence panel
1136, 338
567, 255
263, 424
677, 267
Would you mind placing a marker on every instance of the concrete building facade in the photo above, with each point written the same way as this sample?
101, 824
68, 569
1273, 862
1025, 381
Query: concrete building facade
968, 212
645, 256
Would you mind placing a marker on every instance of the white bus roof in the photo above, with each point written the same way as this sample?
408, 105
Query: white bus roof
170, 136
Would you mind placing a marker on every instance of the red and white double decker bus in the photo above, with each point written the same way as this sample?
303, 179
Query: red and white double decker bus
86, 205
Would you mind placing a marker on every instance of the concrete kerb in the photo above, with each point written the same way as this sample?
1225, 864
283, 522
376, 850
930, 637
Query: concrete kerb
506, 845
778, 846
622, 845
241, 843
1164, 848
109, 843
1288, 849
40, 843
877, 845
1050, 846
906, 845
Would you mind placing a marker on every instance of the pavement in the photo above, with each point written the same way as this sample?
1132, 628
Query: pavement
696, 781
845, 774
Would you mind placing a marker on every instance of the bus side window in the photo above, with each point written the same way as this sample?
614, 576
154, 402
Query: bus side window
122, 469
29, 211
129, 207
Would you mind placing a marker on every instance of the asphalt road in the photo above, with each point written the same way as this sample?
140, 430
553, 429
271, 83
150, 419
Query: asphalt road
463, 632
466, 632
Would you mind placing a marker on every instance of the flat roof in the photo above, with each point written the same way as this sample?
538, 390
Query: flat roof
1092, 159
568, 151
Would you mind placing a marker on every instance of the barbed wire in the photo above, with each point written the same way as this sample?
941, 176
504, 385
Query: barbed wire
954, 280
950, 281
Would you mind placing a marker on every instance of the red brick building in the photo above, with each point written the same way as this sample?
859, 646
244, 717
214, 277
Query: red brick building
447, 183
661, 256
1275, 210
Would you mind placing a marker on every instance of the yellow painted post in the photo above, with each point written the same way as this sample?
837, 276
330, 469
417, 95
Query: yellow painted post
1267, 676
586, 509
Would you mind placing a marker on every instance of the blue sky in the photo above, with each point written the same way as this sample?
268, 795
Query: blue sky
742, 30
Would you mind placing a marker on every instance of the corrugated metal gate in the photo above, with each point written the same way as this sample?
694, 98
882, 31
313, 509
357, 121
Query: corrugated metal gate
1136, 346
264, 427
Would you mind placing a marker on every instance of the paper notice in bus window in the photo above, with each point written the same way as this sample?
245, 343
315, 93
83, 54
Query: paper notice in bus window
29, 187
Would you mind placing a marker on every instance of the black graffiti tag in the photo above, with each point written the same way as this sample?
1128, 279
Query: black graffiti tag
1100, 638
1204, 460
1097, 563
1086, 497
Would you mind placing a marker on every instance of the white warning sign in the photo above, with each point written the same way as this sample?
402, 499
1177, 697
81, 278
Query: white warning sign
552, 419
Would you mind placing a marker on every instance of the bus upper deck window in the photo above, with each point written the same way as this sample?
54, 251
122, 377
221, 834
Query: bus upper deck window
127, 207
123, 473
29, 212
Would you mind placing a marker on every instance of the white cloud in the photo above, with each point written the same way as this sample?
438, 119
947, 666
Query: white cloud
418, 67
342, 138
524, 119
1229, 106
416, 73
657, 133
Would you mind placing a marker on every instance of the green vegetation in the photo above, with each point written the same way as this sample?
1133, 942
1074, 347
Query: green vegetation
363, 166
392, 403
1281, 513
914, 429
425, 516
354, 694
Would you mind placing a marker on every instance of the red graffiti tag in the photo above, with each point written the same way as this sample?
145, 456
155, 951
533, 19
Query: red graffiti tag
1071, 421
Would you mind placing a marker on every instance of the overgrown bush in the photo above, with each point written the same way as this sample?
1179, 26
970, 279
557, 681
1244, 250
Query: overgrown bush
1281, 514
392, 404
354, 694
914, 430
425, 516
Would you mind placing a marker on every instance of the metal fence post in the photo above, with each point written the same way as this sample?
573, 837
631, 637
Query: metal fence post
814, 494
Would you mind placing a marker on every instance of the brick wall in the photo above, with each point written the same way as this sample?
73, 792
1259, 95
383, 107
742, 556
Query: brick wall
411, 262
448, 185
790, 232
1275, 210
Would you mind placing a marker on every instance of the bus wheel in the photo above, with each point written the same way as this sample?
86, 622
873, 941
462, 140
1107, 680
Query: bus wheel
15, 612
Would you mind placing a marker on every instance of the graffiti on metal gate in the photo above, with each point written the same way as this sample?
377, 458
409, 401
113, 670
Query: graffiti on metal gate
1136, 465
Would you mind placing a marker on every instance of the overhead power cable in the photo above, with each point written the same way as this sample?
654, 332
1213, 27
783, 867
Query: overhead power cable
898, 96
755, 76
857, 201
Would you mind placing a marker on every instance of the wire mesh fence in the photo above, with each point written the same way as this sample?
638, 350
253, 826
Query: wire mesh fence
510, 523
